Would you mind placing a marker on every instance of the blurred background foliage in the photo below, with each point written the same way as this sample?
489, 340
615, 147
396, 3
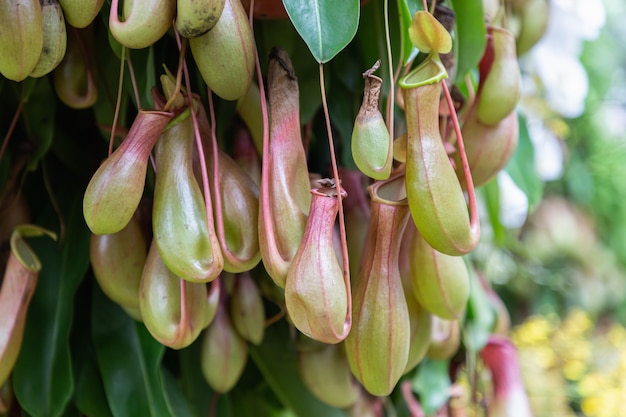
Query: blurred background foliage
572, 248
564, 281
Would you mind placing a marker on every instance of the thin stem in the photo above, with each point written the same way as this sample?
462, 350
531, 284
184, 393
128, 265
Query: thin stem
424, 5
196, 131
414, 407
118, 101
179, 77
216, 178
342, 222
213, 407
153, 162
474, 220
391, 103
133, 81
16, 117
53, 200
276, 317
391, 97
264, 193
208, 202
184, 312
390, 410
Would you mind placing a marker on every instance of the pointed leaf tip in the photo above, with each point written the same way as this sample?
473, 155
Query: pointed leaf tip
326, 26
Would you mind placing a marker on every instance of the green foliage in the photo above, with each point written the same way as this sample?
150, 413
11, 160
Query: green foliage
276, 359
326, 26
43, 377
521, 168
432, 382
129, 358
470, 42
82, 355
407, 8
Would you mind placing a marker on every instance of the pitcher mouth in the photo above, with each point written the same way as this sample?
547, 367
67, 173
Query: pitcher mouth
391, 192
430, 71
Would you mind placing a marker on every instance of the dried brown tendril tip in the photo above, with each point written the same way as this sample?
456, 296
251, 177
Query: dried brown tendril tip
370, 72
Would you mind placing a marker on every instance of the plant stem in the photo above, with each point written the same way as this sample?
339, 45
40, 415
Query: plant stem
474, 220
391, 97
179, 76
213, 407
53, 200
118, 101
133, 80
264, 200
221, 234
276, 317
16, 117
196, 130
414, 407
342, 223
184, 312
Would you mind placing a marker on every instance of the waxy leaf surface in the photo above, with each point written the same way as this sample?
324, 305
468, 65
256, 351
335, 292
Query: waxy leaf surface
129, 359
326, 26
43, 378
471, 35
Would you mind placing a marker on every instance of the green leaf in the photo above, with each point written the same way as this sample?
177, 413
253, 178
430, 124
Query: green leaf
276, 359
72, 412
480, 316
522, 170
370, 40
255, 402
407, 9
326, 26
491, 195
43, 378
129, 359
194, 385
432, 383
89, 396
471, 35
176, 402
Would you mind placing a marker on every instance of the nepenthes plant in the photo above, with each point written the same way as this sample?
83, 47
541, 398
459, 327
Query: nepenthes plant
260, 207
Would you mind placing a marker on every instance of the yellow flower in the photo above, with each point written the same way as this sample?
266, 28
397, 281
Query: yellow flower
591, 405
536, 330
574, 369
577, 323
590, 384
